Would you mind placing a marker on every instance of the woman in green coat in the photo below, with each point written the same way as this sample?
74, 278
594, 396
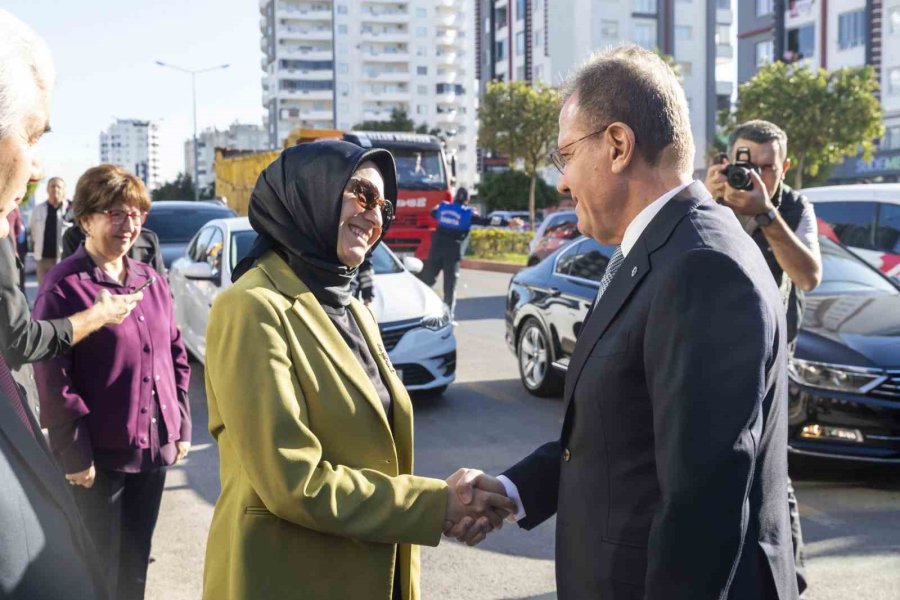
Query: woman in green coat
314, 427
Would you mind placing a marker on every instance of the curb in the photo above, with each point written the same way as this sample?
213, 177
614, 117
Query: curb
487, 265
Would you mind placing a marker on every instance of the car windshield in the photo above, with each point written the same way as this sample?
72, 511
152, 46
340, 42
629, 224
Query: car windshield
178, 225
383, 262
419, 169
241, 241
844, 273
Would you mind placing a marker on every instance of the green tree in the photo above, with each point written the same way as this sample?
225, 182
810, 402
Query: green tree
182, 188
509, 190
519, 121
399, 121
826, 115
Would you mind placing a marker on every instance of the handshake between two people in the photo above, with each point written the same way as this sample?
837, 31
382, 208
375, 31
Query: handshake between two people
477, 505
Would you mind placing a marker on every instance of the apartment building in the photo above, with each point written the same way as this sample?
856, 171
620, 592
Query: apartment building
543, 40
832, 34
238, 136
337, 63
134, 145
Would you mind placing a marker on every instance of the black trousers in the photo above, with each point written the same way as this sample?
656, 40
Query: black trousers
444, 255
120, 511
797, 538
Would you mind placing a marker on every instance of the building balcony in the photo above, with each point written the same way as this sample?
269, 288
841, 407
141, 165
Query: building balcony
450, 38
376, 115
308, 54
304, 33
305, 94
451, 98
448, 58
388, 96
724, 53
388, 76
724, 88
310, 75
385, 36
448, 118
724, 16
446, 4
450, 19
287, 11
386, 57
368, 16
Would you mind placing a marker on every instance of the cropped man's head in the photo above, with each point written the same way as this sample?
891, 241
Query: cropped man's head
26, 81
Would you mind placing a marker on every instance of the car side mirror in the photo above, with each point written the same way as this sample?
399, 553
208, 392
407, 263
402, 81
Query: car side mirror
413, 264
199, 271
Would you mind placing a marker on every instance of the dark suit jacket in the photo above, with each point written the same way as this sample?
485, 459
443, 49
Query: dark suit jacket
145, 248
669, 480
45, 552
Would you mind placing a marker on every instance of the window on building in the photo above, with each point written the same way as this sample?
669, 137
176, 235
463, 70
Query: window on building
645, 35
487, 25
801, 42
342, 29
764, 7
723, 4
520, 10
422, 70
342, 9
421, 13
501, 50
421, 32
520, 43
538, 4
520, 73
422, 89
343, 68
764, 52
683, 32
609, 29
891, 139
421, 51
851, 29
894, 81
421, 109
344, 89
894, 20
500, 16
647, 7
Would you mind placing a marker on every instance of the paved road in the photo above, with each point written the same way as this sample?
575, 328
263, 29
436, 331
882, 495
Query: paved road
851, 516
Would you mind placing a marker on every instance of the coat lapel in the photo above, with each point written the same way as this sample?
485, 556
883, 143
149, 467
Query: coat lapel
633, 270
313, 316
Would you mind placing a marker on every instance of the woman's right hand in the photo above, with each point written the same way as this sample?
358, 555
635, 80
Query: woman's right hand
84, 478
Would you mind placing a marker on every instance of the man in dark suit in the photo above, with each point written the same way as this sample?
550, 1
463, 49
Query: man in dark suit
45, 552
669, 478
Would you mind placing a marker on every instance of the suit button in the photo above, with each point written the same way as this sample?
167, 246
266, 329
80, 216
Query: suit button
144, 410
146, 348
141, 318
146, 378
567, 455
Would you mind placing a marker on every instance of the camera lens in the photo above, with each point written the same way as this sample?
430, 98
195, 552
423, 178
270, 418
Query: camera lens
739, 178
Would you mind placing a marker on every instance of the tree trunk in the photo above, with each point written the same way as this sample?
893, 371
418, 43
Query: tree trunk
798, 176
531, 199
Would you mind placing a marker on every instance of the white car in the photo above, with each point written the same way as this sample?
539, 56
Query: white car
415, 324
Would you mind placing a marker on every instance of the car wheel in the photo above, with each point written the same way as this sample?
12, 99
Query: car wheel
431, 393
535, 368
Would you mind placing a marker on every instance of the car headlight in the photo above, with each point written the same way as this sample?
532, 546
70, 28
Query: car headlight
840, 378
438, 320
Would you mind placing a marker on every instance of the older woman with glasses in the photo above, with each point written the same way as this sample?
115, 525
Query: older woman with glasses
116, 406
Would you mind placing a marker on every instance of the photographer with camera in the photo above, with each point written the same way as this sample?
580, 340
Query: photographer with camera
782, 222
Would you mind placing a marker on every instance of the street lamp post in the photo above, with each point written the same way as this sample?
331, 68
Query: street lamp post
193, 73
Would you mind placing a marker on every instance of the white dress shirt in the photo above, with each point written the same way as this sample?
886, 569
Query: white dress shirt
629, 239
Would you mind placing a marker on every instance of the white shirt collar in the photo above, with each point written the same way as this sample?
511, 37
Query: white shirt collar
639, 224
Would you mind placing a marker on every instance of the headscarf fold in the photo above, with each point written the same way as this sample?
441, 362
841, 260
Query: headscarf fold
295, 209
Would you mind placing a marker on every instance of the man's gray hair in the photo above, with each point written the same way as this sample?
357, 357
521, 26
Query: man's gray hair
759, 132
634, 86
26, 71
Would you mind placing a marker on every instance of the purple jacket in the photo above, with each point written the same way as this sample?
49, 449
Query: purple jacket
113, 384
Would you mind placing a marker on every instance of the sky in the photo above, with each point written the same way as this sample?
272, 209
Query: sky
105, 53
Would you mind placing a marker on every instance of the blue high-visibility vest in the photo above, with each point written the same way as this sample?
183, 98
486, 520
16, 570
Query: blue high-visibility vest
454, 217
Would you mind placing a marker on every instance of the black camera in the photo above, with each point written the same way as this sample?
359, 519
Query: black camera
738, 172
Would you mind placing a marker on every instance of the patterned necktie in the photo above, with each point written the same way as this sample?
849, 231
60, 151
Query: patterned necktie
9, 388
615, 262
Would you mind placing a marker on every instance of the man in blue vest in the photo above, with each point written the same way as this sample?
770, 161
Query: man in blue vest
448, 243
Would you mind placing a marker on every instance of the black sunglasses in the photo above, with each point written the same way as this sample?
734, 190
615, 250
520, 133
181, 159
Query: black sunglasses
367, 195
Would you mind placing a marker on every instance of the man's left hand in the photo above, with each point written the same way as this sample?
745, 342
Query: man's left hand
183, 449
749, 202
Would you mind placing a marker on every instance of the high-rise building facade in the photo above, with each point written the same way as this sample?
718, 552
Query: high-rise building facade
832, 34
238, 136
544, 40
134, 145
339, 63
